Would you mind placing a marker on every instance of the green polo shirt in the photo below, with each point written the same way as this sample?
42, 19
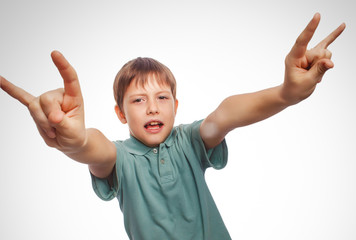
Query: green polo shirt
162, 191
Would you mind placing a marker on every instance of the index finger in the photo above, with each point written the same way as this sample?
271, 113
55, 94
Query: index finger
18, 93
332, 36
69, 75
304, 38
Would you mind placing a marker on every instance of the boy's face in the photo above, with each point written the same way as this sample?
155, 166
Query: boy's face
149, 111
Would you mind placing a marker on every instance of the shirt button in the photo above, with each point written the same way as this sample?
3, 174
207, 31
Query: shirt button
155, 150
162, 161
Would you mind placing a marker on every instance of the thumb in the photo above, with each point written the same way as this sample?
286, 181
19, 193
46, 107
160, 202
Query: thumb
56, 118
60, 122
320, 68
65, 125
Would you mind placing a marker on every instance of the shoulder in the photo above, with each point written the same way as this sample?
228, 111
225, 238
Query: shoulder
192, 144
187, 135
189, 129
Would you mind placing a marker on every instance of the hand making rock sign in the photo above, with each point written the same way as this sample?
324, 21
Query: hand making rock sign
59, 116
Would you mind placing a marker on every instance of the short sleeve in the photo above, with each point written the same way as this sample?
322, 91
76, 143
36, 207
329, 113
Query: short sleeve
101, 186
215, 157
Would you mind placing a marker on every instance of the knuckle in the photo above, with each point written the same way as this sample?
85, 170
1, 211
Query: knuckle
34, 105
51, 97
37, 114
323, 53
41, 122
49, 143
46, 99
328, 54
319, 53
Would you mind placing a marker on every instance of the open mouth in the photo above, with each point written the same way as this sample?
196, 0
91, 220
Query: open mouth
153, 125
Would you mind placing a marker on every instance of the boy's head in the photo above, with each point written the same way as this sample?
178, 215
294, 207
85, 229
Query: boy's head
145, 93
138, 70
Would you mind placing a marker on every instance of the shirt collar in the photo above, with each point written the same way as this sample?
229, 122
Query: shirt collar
136, 147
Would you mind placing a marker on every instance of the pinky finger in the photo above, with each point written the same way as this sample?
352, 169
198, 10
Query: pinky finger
51, 142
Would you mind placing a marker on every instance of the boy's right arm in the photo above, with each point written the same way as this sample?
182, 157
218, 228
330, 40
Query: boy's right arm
59, 116
304, 69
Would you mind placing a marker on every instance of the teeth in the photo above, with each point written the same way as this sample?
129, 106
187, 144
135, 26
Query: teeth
153, 124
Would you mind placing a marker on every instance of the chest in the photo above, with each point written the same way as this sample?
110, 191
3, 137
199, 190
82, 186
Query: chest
163, 166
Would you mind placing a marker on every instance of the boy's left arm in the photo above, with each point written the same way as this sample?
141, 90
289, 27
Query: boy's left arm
304, 69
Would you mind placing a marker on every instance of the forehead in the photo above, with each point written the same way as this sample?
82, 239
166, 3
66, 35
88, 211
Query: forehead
150, 84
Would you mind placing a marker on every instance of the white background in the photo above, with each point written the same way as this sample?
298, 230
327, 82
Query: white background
289, 177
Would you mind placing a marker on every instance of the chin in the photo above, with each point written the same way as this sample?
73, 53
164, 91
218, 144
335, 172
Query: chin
154, 141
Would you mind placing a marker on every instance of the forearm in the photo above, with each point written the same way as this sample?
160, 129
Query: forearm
97, 151
244, 109
241, 110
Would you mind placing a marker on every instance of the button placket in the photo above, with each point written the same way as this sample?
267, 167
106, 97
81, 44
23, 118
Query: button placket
165, 166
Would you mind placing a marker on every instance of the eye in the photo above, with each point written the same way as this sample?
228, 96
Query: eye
137, 100
162, 97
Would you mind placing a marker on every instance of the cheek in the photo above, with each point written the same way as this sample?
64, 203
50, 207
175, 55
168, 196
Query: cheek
171, 113
132, 118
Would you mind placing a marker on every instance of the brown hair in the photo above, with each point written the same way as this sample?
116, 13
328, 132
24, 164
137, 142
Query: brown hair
138, 70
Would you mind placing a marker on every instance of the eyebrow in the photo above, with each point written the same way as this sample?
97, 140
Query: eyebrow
145, 94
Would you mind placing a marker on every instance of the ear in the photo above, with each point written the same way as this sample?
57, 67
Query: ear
176, 106
120, 114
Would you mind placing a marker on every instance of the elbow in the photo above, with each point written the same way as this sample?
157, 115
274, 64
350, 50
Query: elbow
212, 131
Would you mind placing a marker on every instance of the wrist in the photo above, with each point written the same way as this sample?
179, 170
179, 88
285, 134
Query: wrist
287, 95
78, 145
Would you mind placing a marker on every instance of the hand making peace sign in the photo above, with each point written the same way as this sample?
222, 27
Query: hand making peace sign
305, 68
58, 114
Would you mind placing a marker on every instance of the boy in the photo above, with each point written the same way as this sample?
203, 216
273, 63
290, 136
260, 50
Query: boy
158, 174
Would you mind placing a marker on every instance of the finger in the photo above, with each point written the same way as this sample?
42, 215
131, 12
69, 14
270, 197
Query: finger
51, 142
315, 55
51, 105
56, 118
332, 36
304, 38
69, 75
18, 93
328, 54
319, 69
41, 119
51, 101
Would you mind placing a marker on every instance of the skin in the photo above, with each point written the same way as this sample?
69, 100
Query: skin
143, 105
59, 114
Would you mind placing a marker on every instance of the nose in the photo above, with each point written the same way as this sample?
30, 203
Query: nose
152, 108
